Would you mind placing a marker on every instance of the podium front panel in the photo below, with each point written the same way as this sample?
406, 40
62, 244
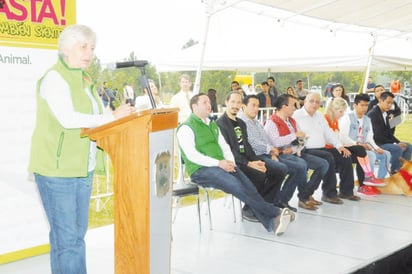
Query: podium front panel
161, 170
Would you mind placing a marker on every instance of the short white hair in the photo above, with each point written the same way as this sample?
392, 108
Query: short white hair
74, 34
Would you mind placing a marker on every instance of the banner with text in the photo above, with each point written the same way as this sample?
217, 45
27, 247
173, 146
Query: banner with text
29, 31
34, 23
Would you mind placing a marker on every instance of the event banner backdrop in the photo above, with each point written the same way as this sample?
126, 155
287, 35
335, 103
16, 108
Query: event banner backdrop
29, 31
34, 23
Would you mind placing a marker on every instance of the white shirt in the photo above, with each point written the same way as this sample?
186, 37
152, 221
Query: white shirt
316, 129
186, 139
55, 91
181, 100
143, 102
128, 92
275, 139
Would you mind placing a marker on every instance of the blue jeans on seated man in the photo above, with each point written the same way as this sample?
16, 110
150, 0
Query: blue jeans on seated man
241, 187
66, 203
384, 160
329, 181
319, 169
295, 167
396, 153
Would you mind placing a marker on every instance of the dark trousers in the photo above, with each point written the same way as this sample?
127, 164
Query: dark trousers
344, 167
265, 187
337, 163
358, 151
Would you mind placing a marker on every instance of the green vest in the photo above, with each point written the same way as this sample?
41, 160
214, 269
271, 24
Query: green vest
57, 151
206, 141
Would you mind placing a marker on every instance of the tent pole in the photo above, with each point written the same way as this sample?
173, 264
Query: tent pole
209, 13
368, 67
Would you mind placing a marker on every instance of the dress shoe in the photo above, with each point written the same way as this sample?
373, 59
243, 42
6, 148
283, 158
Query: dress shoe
332, 200
307, 205
314, 202
248, 215
349, 197
285, 205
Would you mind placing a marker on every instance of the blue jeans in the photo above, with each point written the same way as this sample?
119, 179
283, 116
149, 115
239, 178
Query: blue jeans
241, 187
396, 153
335, 160
384, 161
66, 203
297, 170
319, 169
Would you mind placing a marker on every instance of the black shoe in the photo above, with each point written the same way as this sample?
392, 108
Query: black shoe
349, 197
285, 205
332, 200
248, 215
294, 209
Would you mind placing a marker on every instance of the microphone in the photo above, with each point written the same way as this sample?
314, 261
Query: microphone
128, 64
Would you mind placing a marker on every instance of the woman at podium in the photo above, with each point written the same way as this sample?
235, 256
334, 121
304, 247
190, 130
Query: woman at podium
62, 161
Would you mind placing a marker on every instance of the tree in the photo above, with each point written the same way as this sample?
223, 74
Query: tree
117, 78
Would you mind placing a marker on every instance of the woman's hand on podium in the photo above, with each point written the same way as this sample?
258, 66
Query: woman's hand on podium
123, 110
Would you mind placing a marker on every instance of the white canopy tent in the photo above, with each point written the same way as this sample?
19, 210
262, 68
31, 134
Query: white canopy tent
293, 58
381, 17
286, 36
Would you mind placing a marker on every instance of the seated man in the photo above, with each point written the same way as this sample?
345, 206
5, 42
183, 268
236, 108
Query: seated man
312, 122
384, 136
210, 163
283, 133
358, 127
395, 110
267, 178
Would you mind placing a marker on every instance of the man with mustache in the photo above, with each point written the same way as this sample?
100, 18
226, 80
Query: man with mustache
267, 179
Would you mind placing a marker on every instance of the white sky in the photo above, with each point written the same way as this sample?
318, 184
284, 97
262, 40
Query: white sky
150, 28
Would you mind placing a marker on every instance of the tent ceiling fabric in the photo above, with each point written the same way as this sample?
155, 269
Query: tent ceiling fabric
379, 16
285, 36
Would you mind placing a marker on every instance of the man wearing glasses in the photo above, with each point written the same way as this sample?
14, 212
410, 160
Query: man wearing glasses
313, 123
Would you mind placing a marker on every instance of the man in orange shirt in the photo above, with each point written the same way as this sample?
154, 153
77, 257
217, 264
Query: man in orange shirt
395, 86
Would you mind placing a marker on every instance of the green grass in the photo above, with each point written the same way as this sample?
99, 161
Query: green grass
101, 212
104, 214
403, 131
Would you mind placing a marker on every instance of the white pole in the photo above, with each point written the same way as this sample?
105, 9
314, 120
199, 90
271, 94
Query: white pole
209, 13
196, 87
210, 10
368, 68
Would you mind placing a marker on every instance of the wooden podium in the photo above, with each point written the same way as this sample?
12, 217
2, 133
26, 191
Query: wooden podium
140, 147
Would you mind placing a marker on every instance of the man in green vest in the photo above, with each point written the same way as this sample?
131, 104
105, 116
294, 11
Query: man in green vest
210, 163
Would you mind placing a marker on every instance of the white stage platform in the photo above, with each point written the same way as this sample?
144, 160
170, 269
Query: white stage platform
334, 239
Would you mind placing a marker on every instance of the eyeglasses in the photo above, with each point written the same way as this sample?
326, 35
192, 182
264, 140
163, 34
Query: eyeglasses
312, 101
